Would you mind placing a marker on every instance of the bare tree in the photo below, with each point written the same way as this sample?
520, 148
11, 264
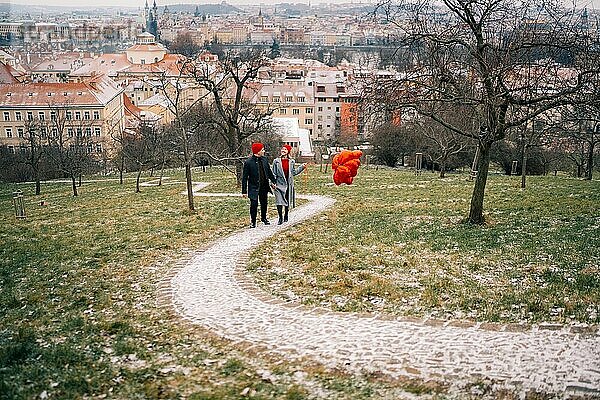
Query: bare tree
501, 62
144, 148
231, 86
581, 124
70, 143
444, 143
391, 143
35, 132
182, 95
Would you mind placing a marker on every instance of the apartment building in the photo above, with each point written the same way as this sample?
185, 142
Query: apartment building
288, 101
92, 109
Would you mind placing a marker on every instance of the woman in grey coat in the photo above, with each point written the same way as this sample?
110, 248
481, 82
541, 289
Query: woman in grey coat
284, 169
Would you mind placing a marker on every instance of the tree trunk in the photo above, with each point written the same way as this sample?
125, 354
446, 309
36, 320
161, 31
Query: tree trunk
79, 180
74, 185
239, 170
162, 170
524, 167
137, 180
188, 179
36, 177
476, 211
590, 162
121, 169
443, 169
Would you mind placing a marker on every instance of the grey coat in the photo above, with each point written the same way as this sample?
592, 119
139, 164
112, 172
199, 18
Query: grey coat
281, 184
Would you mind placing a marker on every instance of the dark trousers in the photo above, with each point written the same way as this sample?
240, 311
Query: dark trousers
262, 198
287, 208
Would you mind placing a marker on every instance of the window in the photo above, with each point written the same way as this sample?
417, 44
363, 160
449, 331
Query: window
308, 121
6, 116
88, 131
308, 110
276, 100
97, 130
320, 89
18, 116
77, 115
70, 132
289, 99
264, 99
41, 115
8, 132
295, 111
319, 108
22, 149
29, 115
69, 115
20, 132
282, 111
321, 99
90, 147
301, 99
337, 109
44, 132
98, 148
79, 132
319, 126
53, 115
54, 132
96, 114
142, 61
86, 115
11, 149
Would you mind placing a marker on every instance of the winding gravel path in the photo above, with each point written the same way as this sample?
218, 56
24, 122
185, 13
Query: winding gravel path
206, 291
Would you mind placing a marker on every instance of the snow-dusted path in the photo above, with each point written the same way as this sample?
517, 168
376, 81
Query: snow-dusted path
206, 291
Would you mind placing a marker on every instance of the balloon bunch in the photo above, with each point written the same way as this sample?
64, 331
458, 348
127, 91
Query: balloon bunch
345, 165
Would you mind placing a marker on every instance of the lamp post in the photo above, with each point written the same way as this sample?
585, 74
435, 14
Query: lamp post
19, 204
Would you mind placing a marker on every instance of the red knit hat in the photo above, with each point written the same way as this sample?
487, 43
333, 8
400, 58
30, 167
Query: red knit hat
288, 147
256, 147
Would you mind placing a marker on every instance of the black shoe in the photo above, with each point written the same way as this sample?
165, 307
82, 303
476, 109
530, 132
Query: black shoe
285, 219
253, 225
280, 221
266, 222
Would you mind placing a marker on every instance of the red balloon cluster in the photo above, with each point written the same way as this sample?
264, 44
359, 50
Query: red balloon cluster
345, 165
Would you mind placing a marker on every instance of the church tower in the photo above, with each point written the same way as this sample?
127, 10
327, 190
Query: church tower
152, 20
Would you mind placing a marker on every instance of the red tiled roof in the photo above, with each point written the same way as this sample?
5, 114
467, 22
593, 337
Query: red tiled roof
6, 75
113, 64
97, 91
130, 108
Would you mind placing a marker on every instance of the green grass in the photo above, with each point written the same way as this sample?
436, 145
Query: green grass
396, 243
79, 280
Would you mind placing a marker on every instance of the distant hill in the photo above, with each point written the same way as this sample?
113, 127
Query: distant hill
33, 10
21, 9
208, 9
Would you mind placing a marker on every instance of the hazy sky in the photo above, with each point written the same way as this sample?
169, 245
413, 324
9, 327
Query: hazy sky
595, 4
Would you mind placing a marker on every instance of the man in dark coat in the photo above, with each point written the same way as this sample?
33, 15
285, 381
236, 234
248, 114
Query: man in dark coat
255, 183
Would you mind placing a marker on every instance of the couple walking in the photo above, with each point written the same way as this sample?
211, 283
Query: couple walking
258, 180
